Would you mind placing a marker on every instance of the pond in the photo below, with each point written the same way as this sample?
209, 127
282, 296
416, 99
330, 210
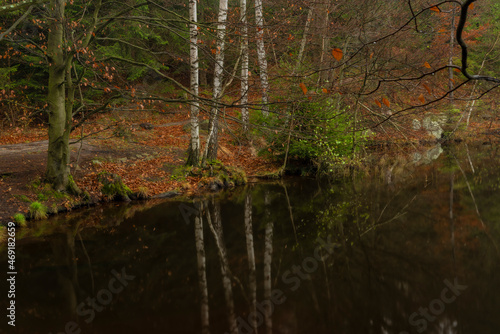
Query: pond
408, 246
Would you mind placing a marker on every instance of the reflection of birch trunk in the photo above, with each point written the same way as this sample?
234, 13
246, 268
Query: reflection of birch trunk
202, 274
251, 259
452, 221
261, 56
216, 228
268, 254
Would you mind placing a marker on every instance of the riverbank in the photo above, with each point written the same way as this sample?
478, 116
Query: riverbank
147, 150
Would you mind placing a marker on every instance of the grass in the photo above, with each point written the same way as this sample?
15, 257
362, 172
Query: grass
20, 219
37, 211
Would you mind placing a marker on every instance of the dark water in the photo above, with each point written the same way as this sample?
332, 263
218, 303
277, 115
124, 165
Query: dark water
408, 247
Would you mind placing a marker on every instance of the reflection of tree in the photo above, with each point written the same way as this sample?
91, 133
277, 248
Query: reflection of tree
216, 228
63, 247
268, 256
202, 275
251, 259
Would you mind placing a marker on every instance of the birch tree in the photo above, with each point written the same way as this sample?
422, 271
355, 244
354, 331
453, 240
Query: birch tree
194, 146
261, 56
244, 65
213, 136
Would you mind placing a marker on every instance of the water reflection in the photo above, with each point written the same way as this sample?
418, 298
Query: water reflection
418, 254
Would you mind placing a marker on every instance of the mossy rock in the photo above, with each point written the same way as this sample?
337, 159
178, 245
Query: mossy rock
113, 187
218, 176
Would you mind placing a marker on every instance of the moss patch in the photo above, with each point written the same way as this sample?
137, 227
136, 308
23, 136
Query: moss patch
113, 187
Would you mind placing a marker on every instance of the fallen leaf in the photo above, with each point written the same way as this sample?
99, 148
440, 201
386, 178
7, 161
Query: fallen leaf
386, 102
303, 87
337, 54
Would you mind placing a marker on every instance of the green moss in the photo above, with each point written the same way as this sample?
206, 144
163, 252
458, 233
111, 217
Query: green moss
181, 173
113, 187
23, 198
37, 211
20, 219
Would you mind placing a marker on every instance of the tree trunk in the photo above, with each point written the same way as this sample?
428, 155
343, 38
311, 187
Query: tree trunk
213, 137
450, 57
59, 116
304, 40
325, 47
261, 55
194, 147
244, 65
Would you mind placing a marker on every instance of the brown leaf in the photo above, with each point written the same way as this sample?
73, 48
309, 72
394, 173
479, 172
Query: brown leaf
427, 88
325, 90
303, 87
435, 9
421, 98
471, 6
337, 54
377, 102
386, 102
426, 64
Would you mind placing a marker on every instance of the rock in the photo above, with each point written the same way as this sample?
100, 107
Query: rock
146, 126
216, 185
168, 194
416, 125
113, 187
432, 125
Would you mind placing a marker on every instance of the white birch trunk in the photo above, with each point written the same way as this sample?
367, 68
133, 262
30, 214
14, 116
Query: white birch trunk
194, 147
212, 140
304, 40
244, 65
261, 55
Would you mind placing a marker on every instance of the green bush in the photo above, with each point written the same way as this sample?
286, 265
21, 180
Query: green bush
321, 134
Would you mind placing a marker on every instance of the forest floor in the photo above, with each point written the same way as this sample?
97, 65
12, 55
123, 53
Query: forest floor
148, 150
